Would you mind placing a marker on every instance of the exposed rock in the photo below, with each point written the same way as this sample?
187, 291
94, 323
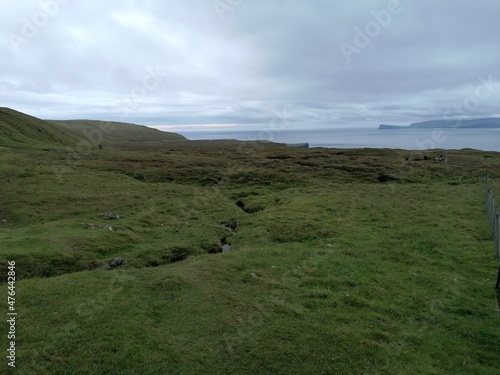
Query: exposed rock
226, 247
112, 216
254, 275
118, 261
231, 225
106, 227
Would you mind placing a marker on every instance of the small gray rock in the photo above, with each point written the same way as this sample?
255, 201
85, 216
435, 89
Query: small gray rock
118, 261
112, 216
226, 248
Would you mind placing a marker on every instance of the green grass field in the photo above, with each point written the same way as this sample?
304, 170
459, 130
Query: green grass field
330, 272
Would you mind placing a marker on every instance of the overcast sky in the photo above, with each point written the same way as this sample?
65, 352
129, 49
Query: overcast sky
250, 63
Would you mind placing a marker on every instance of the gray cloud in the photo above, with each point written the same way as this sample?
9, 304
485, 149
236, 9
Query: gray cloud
241, 61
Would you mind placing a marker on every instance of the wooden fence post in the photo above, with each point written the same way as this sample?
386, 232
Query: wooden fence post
497, 246
492, 211
496, 235
494, 219
446, 169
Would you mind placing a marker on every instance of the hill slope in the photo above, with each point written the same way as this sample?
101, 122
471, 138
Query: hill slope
483, 123
118, 132
21, 130
330, 271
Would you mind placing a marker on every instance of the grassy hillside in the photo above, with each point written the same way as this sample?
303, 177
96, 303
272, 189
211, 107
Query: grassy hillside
20, 131
117, 132
330, 271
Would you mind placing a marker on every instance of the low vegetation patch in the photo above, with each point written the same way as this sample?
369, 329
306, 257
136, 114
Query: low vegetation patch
330, 271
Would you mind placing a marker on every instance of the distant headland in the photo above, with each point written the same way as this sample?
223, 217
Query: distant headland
484, 123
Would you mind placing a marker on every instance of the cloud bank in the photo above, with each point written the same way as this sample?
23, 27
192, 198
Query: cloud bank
242, 63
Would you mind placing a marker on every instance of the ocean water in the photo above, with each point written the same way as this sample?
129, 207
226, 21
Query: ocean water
408, 139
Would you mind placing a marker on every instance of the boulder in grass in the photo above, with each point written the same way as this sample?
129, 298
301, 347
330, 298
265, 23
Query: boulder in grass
118, 261
112, 216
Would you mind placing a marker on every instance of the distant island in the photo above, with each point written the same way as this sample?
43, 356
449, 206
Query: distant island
484, 123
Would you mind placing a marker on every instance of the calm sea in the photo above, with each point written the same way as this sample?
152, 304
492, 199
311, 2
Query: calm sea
414, 139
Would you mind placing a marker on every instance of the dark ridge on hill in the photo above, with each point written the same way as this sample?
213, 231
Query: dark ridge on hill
20, 130
109, 132
483, 123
